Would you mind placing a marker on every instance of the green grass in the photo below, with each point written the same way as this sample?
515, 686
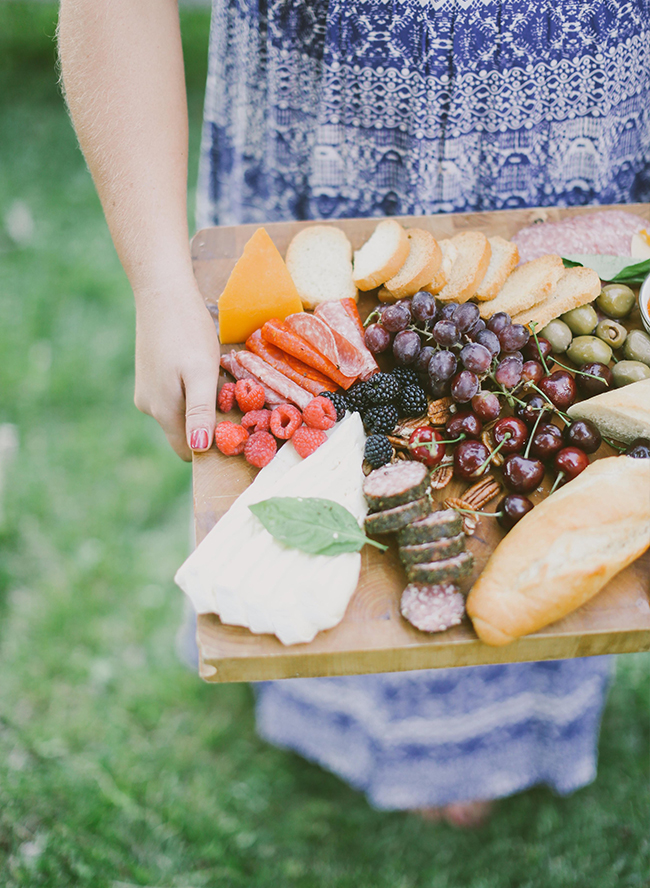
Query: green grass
117, 766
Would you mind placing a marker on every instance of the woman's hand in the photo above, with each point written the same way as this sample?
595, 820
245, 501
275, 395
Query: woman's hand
177, 365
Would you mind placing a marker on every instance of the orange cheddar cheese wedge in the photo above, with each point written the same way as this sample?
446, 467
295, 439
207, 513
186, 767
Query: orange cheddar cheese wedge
259, 288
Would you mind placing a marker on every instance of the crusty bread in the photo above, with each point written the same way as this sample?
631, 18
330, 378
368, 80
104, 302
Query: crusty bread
382, 255
441, 277
503, 260
319, 259
528, 285
469, 267
564, 551
622, 414
385, 295
422, 262
576, 287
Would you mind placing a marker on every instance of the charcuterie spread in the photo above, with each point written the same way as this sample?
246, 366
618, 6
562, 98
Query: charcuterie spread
515, 369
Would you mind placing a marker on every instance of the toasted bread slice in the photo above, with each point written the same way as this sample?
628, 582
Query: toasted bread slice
469, 268
503, 260
422, 262
576, 287
382, 255
385, 295
319, 259
449, 255
528, 285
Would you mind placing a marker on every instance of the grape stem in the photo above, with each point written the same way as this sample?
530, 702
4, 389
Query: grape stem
374, 315
532, 434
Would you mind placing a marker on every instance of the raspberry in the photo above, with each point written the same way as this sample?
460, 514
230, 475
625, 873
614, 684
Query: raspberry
257, 420
319, 413
249, 394
285, 419
306, 440
226, 398
230, 438
339, 402
260, 449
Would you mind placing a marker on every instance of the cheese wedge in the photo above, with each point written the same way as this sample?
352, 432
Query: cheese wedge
259, 288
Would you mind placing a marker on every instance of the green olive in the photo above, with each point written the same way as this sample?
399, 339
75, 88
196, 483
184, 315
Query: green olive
587, 349
616, 300
558, 334
581, 321
637, 346
611, 332
626, 372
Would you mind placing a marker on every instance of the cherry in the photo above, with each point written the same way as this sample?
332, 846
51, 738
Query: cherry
547, 441
516, 429
512, 509
464, 423
522, 474
570, 461
486, 406
534, 352
471, 459
584, 435
532, 371
432, 450
531, 408
598, 381
639, 449
560, 388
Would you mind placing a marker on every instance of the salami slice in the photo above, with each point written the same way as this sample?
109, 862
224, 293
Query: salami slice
446, 571
340, 318
395, 484
302, 374
436, 526
436, 550
395, 519
432, 608
231, 365
327, 341
274, 379
279, 334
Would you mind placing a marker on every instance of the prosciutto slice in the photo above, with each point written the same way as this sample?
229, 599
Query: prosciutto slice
231, 365
342, 317
274, 379
331, 344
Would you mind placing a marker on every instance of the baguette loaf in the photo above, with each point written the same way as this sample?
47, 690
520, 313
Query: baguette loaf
622, 414
382, 255
564, 551
576, 287
319, 259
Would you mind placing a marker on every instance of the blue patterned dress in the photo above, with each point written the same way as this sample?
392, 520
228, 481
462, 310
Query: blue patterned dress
333, 108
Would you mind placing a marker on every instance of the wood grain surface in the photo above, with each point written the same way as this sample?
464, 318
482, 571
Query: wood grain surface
373, 637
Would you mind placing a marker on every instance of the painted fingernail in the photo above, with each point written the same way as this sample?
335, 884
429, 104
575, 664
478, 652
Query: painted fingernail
199, 439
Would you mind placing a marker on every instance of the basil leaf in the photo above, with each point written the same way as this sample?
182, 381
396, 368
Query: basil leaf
618, 269
311, 524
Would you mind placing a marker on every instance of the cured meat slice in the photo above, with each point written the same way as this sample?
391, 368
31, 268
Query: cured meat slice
432, 608
278, 333
607, 232
274, 379
231, 365
395, 484
327, 341
436, 550
447, 570
436, 526
345, 320
391, 520
302, 374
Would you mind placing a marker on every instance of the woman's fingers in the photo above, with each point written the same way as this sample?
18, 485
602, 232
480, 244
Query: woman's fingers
200, 409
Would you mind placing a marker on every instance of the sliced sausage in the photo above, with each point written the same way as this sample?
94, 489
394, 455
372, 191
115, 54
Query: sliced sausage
278, 333
344, 318
432, 608
395, 484
329, 342
302, 374
436, 526
392, 520
433, 551
446, 571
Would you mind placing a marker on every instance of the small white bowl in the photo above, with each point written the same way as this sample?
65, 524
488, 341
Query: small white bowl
644, 303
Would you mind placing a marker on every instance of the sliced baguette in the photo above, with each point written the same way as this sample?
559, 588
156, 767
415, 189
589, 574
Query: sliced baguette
576, 287
469, 267
503, 260
422, 262
382, 255
622, 414
528, 285
319, 259
440, 279
385, 295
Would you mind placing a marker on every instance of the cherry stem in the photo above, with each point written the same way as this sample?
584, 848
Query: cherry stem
580, 372
506, 437
532, 434
532, 326
560, 476
620, 447
478, 512
565, 416
429, 445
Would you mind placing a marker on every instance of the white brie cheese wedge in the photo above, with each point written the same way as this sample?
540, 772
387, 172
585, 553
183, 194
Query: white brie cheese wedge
240, 572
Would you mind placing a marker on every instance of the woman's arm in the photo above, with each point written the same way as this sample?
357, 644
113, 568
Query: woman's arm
122, 68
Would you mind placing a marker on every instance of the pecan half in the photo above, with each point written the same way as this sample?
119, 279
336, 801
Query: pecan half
481, 493
470, 521
488, 440
441, 476
440, 411
406, 427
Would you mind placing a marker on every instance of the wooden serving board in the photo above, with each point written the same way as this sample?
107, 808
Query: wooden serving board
373, 637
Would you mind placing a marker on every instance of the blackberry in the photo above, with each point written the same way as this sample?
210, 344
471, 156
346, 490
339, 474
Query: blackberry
356, 397
381, 389
380, 420
339, 402
405, 376
378, 451
412, 401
